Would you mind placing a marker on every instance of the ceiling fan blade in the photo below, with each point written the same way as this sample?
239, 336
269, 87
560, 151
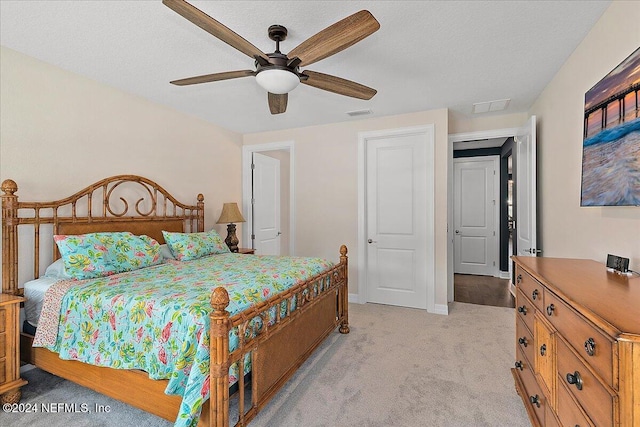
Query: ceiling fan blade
278, 103
213, 77
336, 37
213, 27
338, 85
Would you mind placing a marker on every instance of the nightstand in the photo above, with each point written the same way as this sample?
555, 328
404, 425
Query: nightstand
246, 251
10, 381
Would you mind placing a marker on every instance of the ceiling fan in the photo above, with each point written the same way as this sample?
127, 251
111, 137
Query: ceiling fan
280, 73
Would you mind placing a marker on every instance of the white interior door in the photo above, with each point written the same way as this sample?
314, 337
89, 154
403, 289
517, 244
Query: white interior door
399, 218
526, 190
475, 210
266, 204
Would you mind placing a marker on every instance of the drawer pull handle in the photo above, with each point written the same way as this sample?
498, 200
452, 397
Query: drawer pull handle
535, 400
519, 278
575, 379
523, 341
590, 346
543, 349
522, 309
520, 365
550, 309
535, 294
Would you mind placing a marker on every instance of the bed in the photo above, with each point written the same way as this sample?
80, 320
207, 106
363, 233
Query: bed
265, 339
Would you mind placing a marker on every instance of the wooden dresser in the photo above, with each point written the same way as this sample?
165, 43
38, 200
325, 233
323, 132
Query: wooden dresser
577, 343
10, 381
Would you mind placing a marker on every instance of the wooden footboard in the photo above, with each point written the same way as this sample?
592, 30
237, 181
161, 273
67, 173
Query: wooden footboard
289, 334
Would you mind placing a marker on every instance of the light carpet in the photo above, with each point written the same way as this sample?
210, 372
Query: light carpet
397, 367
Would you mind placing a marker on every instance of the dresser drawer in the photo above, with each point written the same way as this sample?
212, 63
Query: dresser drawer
526, 310
594, 398
583, 337
521, 361
569, 411
531, 288
3, 371
524, 341
534, 397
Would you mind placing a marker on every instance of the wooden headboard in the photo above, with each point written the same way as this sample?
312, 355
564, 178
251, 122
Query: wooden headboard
102, 206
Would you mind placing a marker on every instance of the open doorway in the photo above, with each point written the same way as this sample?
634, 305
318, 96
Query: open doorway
481, 209
259, 186
517, 224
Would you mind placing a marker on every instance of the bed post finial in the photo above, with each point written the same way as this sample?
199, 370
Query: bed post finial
219, 300
219, 361
9, 237
9, 187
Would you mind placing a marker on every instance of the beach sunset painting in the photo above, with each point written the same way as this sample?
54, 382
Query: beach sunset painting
611, 144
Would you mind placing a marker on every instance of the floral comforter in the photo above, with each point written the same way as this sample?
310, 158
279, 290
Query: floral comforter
157, 318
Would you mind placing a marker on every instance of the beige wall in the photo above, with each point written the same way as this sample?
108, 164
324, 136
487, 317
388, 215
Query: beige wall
460, 123
61, 132
326, 186
569, 230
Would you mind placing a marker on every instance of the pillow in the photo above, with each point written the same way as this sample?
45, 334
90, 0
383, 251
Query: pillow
188, 246
166, 252
57, 271
130, 252
101, 254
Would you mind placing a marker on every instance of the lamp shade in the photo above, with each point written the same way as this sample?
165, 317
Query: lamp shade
277, 81
230, 213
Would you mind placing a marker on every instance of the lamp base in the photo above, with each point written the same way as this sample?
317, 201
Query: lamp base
232, 240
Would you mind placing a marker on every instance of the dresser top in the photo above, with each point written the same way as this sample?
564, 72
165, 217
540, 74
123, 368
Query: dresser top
586, 284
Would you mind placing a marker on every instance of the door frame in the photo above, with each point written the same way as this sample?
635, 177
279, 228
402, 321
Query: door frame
247, 151
460, 137
495, 159
429, 131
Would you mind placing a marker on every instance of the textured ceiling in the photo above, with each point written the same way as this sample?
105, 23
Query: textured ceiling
426, 55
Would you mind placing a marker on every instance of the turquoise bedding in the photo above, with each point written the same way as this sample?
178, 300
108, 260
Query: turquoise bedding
157, 318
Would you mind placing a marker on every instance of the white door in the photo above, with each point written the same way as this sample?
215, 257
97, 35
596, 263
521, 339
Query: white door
399, 218
266, 204
526, 190
475, 213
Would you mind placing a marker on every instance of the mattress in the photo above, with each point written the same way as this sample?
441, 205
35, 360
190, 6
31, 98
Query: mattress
34, 291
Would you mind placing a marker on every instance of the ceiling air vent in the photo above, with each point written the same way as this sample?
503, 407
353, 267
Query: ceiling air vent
359, 113
490, 106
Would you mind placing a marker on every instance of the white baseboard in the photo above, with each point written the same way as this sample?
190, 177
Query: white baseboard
354, 298
512, 289
441, 309
505, 275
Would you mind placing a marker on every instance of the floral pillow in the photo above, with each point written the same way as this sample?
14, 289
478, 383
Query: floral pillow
188, 246
101, 254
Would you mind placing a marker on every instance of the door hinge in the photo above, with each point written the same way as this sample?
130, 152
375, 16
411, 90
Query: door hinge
253, 237
494, 233
253, 165
253, 201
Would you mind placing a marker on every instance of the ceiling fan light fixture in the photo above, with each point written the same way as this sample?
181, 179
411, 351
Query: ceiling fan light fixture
277, 80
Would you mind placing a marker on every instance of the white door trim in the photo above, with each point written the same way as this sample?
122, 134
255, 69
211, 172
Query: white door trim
247, 151
429, 131
459, 137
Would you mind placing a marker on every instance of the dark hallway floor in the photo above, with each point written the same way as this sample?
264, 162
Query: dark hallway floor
483, 290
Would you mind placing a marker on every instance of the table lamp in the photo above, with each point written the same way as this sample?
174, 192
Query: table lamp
231, 214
